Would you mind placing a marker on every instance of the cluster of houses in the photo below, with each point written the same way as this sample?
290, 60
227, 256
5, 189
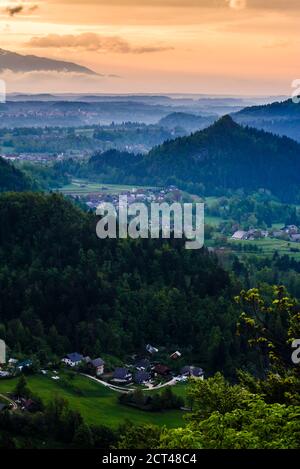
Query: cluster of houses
75, 359
288, 233
142, 371
135, 195
41, 158
14, 367
249, 235
20, 403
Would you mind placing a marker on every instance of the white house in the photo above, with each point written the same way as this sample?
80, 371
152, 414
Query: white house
240, 235
73, 359
98, 366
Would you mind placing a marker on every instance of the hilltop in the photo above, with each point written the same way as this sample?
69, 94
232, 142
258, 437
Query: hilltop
225, 156
281, 118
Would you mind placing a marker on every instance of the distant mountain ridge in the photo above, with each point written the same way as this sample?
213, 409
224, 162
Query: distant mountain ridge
32, 63
225, 156
281, 118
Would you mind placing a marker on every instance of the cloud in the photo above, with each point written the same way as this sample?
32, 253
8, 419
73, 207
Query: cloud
33, 8
235, 4
277, 45
238, 4
92, 42
54, 81
12, 11
6, 28
20, 8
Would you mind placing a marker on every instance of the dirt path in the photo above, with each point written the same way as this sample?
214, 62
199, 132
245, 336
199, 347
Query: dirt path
172, 382
108, 385
127, 390
5, 398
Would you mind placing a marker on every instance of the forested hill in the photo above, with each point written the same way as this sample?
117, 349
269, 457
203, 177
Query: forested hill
281, 118
12, 179
222, 157
63, 289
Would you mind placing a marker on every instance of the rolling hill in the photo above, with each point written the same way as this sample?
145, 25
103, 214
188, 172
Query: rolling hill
225, 156
31, 63
281, 118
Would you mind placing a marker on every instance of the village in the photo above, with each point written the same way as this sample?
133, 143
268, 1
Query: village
93, 198
46, 157
142, 373
287, 233
145, 370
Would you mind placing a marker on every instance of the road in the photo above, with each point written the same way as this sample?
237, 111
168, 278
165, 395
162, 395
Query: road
172, 382
5, 398
108, 385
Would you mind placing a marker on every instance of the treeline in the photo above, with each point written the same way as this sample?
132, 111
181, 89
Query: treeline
258, 210
46, 177
255, 270
166, 400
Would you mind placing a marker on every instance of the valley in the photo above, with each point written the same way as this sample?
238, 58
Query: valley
159, 316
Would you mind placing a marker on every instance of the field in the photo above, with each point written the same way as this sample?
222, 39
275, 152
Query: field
83, 187
268, 246
97, 404
213, 221
210, 220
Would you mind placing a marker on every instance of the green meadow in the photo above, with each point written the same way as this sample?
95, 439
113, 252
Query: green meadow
83, 187
268, 247
97, 404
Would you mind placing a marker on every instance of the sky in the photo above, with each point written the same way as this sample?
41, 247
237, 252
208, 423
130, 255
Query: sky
232, 47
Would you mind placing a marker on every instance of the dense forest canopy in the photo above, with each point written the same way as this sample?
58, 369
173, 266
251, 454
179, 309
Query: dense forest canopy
61, 288
12, 179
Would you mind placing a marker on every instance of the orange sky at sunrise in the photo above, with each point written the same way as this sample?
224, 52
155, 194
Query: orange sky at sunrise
151, 46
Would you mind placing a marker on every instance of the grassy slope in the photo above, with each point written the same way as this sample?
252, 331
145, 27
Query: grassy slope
74, 187
269, 246
97, 404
